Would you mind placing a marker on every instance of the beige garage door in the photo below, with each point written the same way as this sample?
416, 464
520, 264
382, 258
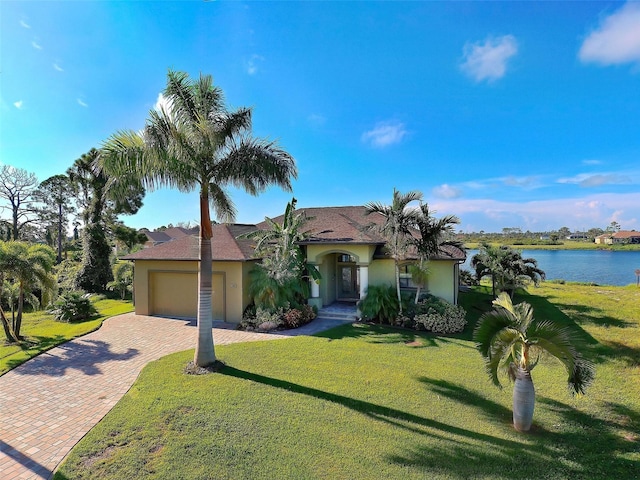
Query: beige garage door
175, 294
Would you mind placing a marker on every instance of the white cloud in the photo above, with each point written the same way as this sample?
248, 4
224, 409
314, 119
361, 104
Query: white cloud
251, 65
82, 103
588, 180
18, 104
162, 102
384, 134
24, 24
36, 45
447, 191
488, 60
58, 67
616, 40
542, 215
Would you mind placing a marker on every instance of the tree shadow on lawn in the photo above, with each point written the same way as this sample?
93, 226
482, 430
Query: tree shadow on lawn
593, 315
84, 355
405, 420
388, 334
583, 447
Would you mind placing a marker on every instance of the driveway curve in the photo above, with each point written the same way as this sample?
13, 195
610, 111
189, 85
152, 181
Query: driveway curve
50, 402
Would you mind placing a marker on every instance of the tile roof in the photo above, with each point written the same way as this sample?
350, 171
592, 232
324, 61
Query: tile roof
346, 225
224, 246
626, 234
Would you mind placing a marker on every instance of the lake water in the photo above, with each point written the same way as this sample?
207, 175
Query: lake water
598, 266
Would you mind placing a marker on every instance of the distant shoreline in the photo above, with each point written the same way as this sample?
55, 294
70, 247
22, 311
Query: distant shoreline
566, 245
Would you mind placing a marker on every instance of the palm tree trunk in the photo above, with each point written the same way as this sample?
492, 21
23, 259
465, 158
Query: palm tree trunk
205, 354
524, 397
18, 322
398, 287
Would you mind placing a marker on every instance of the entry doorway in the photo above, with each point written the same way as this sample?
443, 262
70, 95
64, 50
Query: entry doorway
348, 285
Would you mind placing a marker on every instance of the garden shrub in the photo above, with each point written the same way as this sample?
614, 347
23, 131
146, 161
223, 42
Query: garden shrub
381, 304
296, 317
440, 316
72, 306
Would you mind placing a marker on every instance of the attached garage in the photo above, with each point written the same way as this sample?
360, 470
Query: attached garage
166, 276
175, 294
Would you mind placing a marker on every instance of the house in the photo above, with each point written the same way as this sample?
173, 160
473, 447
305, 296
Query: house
623, 236
603, 239
348, 255
167, 235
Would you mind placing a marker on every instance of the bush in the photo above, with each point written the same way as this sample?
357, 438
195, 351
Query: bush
72, 306
297, 317
440, 316
381, 303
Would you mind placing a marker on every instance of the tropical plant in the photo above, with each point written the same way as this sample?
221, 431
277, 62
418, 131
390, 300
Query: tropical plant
284, 263
508, 270
433, 234
122, 279
30, 267
380, 304
510, 339
195, 142
397, 228
72, 306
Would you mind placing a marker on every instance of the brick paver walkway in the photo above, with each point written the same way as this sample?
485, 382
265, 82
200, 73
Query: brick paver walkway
50, 402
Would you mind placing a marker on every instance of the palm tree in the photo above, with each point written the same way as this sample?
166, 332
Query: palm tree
197, 144
508, 270
284, 268
434, 233
509, 338
397, 228
30, 267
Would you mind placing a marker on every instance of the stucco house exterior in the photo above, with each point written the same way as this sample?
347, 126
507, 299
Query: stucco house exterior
349, 256
618, 238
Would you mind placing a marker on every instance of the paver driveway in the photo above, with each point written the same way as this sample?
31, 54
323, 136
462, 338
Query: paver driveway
50, 402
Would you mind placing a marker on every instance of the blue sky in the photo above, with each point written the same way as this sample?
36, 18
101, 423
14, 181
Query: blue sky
507, 114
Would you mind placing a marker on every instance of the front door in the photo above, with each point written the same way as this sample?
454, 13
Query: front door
348, 288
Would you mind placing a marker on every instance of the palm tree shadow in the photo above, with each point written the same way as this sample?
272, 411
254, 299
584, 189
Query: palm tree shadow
84, 355
409, 421
465, 396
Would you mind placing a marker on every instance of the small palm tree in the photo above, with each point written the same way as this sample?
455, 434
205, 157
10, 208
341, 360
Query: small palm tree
509, 338
397, 228
197, 144
434, 233
122, 279
29, 267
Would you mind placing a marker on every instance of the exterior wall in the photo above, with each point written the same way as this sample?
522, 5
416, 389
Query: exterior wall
443, 281
229, 283
363, 253
382, 272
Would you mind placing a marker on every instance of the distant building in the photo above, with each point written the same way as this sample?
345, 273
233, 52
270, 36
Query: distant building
167, 235
577, 236
619, 238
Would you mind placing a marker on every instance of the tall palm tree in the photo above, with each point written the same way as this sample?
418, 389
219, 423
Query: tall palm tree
434, 233
197, 144
30, 267
509, 338
397, 228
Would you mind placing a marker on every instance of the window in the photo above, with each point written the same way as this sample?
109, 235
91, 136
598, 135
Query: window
405, 277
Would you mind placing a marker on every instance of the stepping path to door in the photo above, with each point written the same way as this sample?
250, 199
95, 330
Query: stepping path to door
50, 402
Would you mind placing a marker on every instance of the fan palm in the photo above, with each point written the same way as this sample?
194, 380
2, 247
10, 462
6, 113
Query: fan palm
196, 143
509, 338
397, 228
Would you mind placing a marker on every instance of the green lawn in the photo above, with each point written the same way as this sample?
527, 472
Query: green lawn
366, 402
42, 332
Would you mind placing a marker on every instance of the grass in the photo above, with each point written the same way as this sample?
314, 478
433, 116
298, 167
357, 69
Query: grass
368, 402
42, 332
